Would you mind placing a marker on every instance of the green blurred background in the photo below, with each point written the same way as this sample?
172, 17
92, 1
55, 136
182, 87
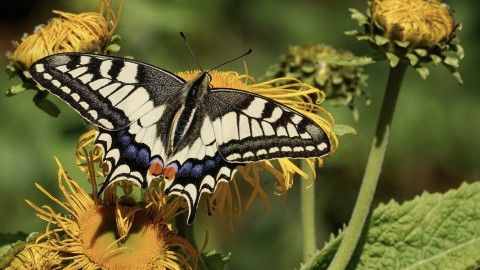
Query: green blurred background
435, 135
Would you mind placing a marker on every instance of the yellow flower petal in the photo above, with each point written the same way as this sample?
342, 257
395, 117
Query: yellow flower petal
84, 32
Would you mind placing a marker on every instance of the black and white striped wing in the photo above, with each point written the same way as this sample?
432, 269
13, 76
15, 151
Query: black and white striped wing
130, 152
249, 127
198, 163
132, 103
109, 92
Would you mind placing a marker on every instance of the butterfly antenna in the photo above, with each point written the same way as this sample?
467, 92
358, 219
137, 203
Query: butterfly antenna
236, 58
190, 49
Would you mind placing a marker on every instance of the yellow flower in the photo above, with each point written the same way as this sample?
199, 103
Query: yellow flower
106, 233
418, 22
84, 32
290, 92
35, 257
414, 32
89, 32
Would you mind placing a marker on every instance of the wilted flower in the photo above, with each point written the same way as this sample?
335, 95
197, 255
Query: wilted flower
412, 31
318, 65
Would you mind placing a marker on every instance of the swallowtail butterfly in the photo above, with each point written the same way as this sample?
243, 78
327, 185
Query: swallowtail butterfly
152, 123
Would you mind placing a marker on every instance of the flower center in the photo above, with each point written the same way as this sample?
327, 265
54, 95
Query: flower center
142, 248
421, 22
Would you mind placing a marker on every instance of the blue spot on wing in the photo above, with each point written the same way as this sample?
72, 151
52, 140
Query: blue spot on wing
124, 138
143, 157
193, 171
197, 171
130, 151
137, 156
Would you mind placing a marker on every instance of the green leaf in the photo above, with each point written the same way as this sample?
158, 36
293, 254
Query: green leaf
452, 61
413, 59
346, 60
351, 33
113, 48
432, 231
341, 130
435, 59
215, 261
10, 245
115, 38
421, 52
423, 71
393, 59
359, 17
11, 71
403, 44
367, 38
15, 90
379, 40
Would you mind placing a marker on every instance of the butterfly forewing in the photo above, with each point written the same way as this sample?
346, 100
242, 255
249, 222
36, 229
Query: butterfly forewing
250, 127
109, 92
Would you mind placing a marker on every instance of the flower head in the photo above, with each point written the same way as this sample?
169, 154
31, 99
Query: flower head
108, 233
412, 31
89, 32
420, 23
317, 65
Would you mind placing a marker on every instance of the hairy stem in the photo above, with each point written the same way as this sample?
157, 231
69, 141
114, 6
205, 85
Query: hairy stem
372, 170
307, 201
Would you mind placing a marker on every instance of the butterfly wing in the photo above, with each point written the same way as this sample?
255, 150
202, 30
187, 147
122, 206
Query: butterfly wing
249, 127
130, 152
231, 127
198, 164
131, 103
110, 92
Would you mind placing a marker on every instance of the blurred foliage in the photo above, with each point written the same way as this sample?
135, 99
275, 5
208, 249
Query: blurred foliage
435, 135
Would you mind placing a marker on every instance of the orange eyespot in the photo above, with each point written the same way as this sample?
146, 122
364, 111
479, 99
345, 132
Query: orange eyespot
170, 173
156, 168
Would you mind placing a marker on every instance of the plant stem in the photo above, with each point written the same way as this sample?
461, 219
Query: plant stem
307, 201
184, 230
187, 232
372, 170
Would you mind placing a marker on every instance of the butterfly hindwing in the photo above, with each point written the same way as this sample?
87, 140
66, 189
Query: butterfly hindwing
249, 127
127, 159
109, 92
199, 165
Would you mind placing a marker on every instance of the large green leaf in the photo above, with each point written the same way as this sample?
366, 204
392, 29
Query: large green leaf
432, 231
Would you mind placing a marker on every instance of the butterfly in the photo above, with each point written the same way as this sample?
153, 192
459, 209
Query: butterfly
152, 123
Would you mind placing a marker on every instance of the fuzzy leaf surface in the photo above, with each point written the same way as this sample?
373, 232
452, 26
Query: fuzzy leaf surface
432, 231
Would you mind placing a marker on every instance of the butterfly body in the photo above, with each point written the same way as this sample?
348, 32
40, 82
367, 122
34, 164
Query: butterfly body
152, 123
